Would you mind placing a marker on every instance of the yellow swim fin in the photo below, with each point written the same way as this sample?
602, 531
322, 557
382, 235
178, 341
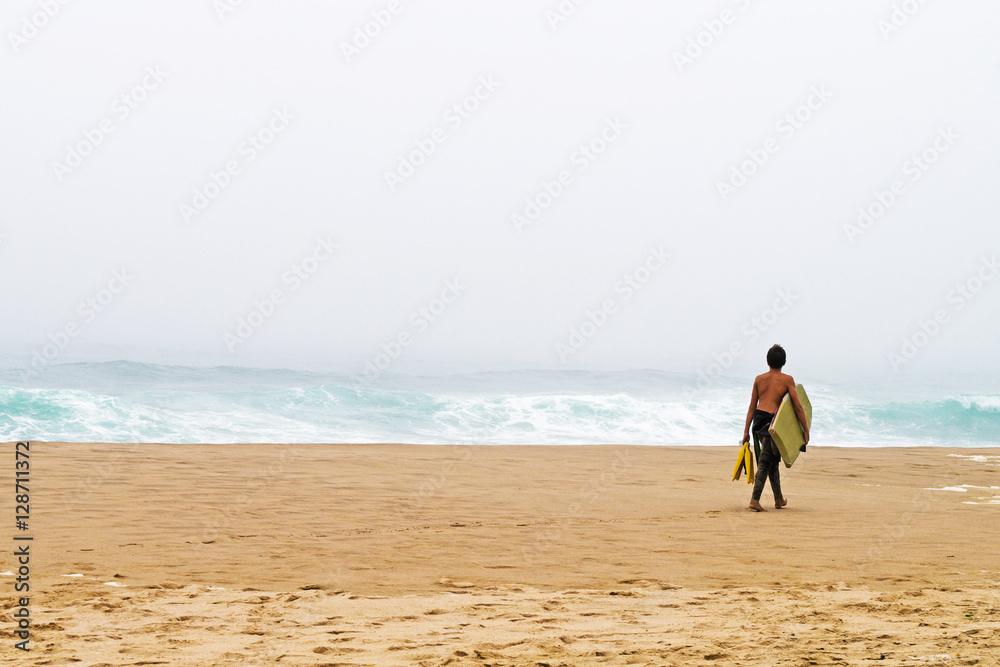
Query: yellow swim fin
740, 463
748, 462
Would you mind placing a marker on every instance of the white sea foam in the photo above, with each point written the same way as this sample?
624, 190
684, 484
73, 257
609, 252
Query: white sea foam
138, 403
980, 402
994, 501
978, 458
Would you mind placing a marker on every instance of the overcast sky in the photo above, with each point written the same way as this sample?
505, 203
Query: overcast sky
217, 154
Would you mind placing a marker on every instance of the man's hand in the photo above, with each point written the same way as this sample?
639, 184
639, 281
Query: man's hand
746, 437
805, 434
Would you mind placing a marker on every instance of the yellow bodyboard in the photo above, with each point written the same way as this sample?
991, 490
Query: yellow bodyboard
785, 429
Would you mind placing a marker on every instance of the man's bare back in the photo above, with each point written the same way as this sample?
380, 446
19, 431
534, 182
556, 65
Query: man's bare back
770, 388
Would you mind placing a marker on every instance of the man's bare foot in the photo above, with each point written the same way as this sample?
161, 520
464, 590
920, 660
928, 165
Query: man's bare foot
780, 503
756, 506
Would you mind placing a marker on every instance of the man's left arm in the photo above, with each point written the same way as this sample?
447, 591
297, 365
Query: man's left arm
799, 411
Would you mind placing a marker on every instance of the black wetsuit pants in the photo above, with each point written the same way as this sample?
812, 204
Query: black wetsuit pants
769, 458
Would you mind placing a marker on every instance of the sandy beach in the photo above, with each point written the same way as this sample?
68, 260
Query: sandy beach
505, 555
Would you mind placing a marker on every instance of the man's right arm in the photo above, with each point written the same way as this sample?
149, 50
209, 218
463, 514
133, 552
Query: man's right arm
753, 406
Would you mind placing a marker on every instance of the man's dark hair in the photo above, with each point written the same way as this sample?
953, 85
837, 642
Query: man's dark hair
776, 357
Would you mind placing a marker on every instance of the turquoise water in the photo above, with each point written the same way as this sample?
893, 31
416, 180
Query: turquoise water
133, 402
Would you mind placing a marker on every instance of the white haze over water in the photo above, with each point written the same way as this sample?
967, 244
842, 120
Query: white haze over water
869, 101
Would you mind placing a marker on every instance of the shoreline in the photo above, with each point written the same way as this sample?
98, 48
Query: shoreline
975, 446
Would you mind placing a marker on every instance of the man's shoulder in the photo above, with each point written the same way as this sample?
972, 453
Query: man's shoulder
771, 376
788, 382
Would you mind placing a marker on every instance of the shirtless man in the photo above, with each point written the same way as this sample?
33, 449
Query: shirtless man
768, 390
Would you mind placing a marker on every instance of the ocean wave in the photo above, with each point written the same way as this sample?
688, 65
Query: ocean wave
130, 402
980, 403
